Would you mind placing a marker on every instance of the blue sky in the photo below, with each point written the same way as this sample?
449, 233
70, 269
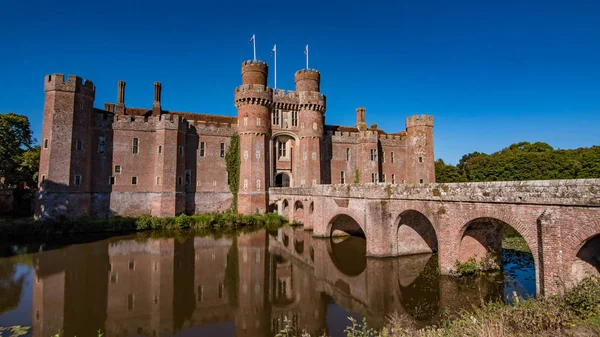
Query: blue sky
490, 72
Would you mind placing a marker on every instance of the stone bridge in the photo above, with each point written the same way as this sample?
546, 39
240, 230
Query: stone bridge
559, 220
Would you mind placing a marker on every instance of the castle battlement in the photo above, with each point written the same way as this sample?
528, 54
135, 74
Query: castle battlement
253, 94
419, 120
307, 74
56, 82
141, 123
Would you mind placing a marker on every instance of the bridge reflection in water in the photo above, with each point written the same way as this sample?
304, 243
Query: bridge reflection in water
242, 286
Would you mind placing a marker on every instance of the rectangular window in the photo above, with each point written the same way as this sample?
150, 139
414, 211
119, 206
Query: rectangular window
374, 177
382, 156
342, 177
257, 121
133, 180
181, 150
160, 149
222, 150
258, 184
132, 265
294, 118
180, 181
135, 146
79, 144
111, 180
383, 178
43, 178
101, 144
281, 149
77, 180
420, 159
393, 178
392, 157
373, 154
347, 154
157, 180
46, 143
117, 169
420, 181
202, 149
275, 117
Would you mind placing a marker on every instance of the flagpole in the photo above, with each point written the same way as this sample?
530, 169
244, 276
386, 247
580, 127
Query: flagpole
275, 55
254, 44
306, 56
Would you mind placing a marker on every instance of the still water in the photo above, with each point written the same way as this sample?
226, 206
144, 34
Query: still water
238, 285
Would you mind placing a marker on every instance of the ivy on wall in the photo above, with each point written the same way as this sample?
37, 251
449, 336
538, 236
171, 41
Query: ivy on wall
232, 159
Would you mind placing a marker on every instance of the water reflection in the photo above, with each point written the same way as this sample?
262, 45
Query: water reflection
242, 286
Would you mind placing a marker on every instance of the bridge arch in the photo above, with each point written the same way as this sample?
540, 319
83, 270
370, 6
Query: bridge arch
298, 211
348, 254
587, 261
415, 234
344, 224
483, 235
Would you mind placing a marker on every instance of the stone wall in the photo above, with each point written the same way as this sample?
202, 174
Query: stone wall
585, 192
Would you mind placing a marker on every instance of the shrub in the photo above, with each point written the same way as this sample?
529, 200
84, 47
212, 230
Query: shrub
471, 267
143, 222
183, 221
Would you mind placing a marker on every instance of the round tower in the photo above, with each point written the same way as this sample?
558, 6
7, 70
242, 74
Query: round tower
308, 80
311, 106
254, 72
253, 99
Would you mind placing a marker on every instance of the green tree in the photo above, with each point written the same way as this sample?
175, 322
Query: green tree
233, 161
15, 139
447, 173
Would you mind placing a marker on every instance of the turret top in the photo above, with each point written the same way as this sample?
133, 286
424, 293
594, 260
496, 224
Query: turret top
254, 72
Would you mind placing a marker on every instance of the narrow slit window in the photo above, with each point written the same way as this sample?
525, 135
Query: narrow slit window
79, 144
46, 143
111, 181
77, 180
202, 149
222, 150
133, 180
135, 146
342, 177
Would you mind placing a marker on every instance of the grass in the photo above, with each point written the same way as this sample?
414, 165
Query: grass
27, 227
576, 312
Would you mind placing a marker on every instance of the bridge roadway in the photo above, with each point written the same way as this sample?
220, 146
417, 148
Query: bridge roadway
559, 220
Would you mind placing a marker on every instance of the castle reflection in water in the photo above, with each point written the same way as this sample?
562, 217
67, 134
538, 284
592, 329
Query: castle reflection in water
242, 286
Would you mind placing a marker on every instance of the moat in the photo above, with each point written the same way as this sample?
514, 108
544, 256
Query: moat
233, 285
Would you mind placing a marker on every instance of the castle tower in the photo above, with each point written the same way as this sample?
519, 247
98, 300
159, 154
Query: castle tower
253, 99
65, 159
311, 112
419, 154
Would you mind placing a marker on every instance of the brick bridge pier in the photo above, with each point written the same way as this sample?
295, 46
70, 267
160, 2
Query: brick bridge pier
559, 220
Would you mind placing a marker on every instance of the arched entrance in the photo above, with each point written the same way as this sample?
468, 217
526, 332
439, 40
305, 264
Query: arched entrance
282, 179
415, 234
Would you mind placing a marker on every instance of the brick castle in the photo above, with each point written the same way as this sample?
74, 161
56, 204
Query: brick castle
121, 160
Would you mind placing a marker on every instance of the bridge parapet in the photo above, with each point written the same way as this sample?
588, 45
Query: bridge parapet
574, 192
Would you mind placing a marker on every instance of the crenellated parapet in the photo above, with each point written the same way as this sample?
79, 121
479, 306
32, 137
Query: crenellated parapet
311, 100
255, 94
419, 120
56, 82
396, 140
307, 80
141, 123
254, 72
